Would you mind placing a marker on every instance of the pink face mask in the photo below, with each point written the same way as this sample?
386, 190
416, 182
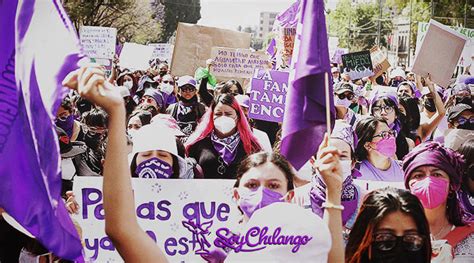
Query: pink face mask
387, 147
432, 191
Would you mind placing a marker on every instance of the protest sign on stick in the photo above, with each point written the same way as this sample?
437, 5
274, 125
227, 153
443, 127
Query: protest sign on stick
358, 64
163, 52
98, 43
268, 95
135, 56
439, 53
237, 63
194, 43
379, 61
163, 209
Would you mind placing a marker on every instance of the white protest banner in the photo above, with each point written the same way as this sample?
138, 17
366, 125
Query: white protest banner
164, 209
98, 43
439, 53
194, 43
135, 56
379, 61
163, 51
237, 63
268, 95
468, 51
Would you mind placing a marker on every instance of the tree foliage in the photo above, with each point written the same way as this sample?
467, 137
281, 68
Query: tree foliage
175, 11
133, 19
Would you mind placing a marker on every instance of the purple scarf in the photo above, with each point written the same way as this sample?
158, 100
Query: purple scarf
226, 147
349, 198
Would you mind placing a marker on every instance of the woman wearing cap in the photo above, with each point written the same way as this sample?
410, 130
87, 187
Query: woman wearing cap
222, 139
188, 110
390, 227
344, 139
153, 97
434, 173
386, 106
375, 150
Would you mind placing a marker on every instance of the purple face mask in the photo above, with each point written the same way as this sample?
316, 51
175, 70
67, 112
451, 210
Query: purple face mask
344, 102
154, 168
252, 200
66, 124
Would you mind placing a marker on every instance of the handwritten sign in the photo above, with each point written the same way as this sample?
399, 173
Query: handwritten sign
161, 208
439, 53
358, 64
98, 43
163, 51
379, 61
236, 63
194, 43
468, 50
268, 95
135, 56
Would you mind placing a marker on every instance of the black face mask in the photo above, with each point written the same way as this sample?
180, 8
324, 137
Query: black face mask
397, 255
162, 73
464, 100
93, 141
466, 126
430, 105
194, 99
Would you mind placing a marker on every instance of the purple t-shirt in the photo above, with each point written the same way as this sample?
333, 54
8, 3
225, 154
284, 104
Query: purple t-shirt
370, 172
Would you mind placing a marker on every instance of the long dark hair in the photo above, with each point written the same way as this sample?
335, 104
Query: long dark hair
412, 116
467, 150
261, 158
227, 85
365, 131
375, 207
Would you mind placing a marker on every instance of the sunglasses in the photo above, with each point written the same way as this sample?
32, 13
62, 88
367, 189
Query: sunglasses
168, 82
386, 134
378, 110
349, 96
462, 120
188, 89
387, 241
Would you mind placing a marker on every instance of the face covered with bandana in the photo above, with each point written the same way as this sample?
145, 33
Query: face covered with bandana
154, 164
65, 121
261, 186
94, 136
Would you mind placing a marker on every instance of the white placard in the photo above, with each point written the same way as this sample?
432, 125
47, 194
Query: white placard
135, 56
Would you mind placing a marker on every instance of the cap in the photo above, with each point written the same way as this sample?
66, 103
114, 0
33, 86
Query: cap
343, 87
398, 72
460, 87
334, 69
456, 110
156, 95
67, 148
243, 100
186, 80
143, 80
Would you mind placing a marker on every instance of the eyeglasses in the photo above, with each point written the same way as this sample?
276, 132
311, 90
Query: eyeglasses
349, 96
168, 82
462, 120
388, 241
378, 110
386, 134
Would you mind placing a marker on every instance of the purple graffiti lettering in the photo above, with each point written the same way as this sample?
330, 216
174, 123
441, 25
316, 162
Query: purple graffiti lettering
89, 200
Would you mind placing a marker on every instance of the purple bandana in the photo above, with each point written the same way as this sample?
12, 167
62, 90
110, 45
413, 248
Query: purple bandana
349, 198
226, 147
154, 168
467, 203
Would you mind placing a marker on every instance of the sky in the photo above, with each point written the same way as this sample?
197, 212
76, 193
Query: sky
230, 14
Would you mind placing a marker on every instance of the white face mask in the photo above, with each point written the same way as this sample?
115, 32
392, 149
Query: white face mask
128, 84
224, 124
346, 168
344, 102
166, 88
132, 132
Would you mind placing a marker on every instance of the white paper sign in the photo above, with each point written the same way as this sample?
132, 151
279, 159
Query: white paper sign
161, 208
135, 56
98, 42
163, 51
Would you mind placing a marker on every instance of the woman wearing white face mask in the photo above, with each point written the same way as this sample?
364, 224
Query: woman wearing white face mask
344, 139
222, 139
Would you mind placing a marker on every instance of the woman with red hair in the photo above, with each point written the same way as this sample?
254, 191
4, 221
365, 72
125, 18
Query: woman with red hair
222, 139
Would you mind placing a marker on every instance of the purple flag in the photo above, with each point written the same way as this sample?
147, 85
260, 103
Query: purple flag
304, 122
39, 47
271, 48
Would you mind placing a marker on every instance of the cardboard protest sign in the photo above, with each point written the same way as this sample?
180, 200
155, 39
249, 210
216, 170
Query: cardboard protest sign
379, 61
166, 209
268, 95
358, 64
468, 50
135, 56
285, 45
237, 63
439, 53
98, 43
194, 43
163, 51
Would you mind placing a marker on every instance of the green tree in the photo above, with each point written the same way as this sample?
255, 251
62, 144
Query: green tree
175, 11
133, 19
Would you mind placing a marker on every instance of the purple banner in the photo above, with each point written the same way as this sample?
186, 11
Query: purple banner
268, 95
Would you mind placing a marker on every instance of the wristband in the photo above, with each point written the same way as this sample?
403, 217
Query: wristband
331, 205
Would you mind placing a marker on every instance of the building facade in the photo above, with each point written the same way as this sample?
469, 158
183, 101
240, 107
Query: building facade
266, 23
